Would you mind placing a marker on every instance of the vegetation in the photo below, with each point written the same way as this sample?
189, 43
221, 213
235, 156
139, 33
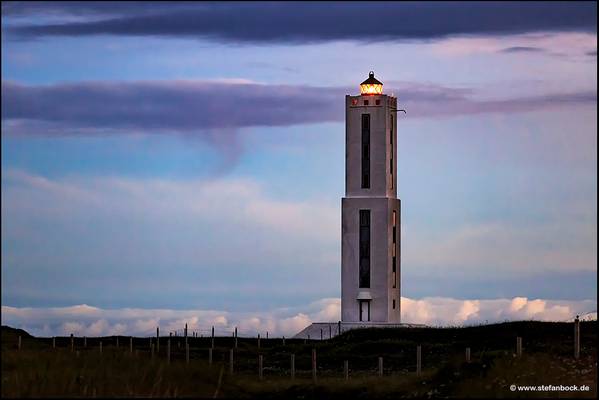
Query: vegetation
39, 370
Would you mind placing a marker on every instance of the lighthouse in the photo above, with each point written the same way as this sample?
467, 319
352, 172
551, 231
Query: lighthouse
370, 217
370, 210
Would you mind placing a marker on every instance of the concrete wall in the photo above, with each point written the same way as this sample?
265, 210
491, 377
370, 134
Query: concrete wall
380, 151
394, 293
381, 238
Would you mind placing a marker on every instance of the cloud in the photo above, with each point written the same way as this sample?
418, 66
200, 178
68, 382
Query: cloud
571, 46
294, 23
522, 49
207, 200
443, 311
113, 240
173, 106
435, 311
189, 240
214, 110
211, 111
510, 247
91, 9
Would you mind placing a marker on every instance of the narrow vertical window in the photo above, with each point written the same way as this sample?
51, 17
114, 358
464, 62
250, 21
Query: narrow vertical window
365, 151
393, 251
364, 249
391, 138
394, 304
391, 150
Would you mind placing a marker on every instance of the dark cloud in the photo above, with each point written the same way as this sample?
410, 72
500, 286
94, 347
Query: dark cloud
592, 53
91, 8
291, 22
173, 106
207, 108
522, 49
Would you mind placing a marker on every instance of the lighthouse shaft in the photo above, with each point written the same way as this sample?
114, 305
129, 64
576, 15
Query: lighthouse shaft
370, 272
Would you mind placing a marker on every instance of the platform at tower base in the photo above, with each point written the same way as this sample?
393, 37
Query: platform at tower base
327, 330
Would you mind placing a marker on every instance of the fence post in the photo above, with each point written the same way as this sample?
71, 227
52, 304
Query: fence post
467, 354
117, 342
314, 365
158, 339
260, 366
320, 333
53, 342
346, 369
519, 346
19, 342
212, 336
168, 351
577, 338
72, 343
283, 340
130, 344
231, 361
339, 328
210, 356
293, 366
187, 353
152, 351
380, 366
258, 340
235, 337
85, 341
418, 360
267, 334
100, 347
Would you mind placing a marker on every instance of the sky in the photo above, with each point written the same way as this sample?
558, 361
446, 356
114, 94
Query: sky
165, 163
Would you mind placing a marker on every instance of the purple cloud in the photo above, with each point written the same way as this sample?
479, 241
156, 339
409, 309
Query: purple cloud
204, 108
257, 22
167, 106
522, 49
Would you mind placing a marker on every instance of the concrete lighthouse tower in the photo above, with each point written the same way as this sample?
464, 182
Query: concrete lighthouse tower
370, 217
370, 227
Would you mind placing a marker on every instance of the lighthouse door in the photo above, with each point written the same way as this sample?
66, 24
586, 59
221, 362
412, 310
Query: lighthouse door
364, 310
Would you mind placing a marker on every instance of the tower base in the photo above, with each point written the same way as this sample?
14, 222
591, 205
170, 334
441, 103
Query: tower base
331, 329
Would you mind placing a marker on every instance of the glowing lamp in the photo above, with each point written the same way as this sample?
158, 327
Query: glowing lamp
371, 85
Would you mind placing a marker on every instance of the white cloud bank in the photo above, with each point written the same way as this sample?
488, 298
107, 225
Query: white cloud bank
436, 311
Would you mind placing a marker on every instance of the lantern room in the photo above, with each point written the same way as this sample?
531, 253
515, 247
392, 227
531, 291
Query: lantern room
371, 86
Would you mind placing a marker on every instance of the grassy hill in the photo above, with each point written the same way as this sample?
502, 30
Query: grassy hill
39, 370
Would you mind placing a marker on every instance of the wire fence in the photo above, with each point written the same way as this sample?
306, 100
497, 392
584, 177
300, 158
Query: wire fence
291, 357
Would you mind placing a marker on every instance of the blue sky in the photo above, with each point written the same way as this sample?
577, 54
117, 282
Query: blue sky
164, 157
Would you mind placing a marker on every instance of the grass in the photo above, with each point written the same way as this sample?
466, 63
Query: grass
38, 370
